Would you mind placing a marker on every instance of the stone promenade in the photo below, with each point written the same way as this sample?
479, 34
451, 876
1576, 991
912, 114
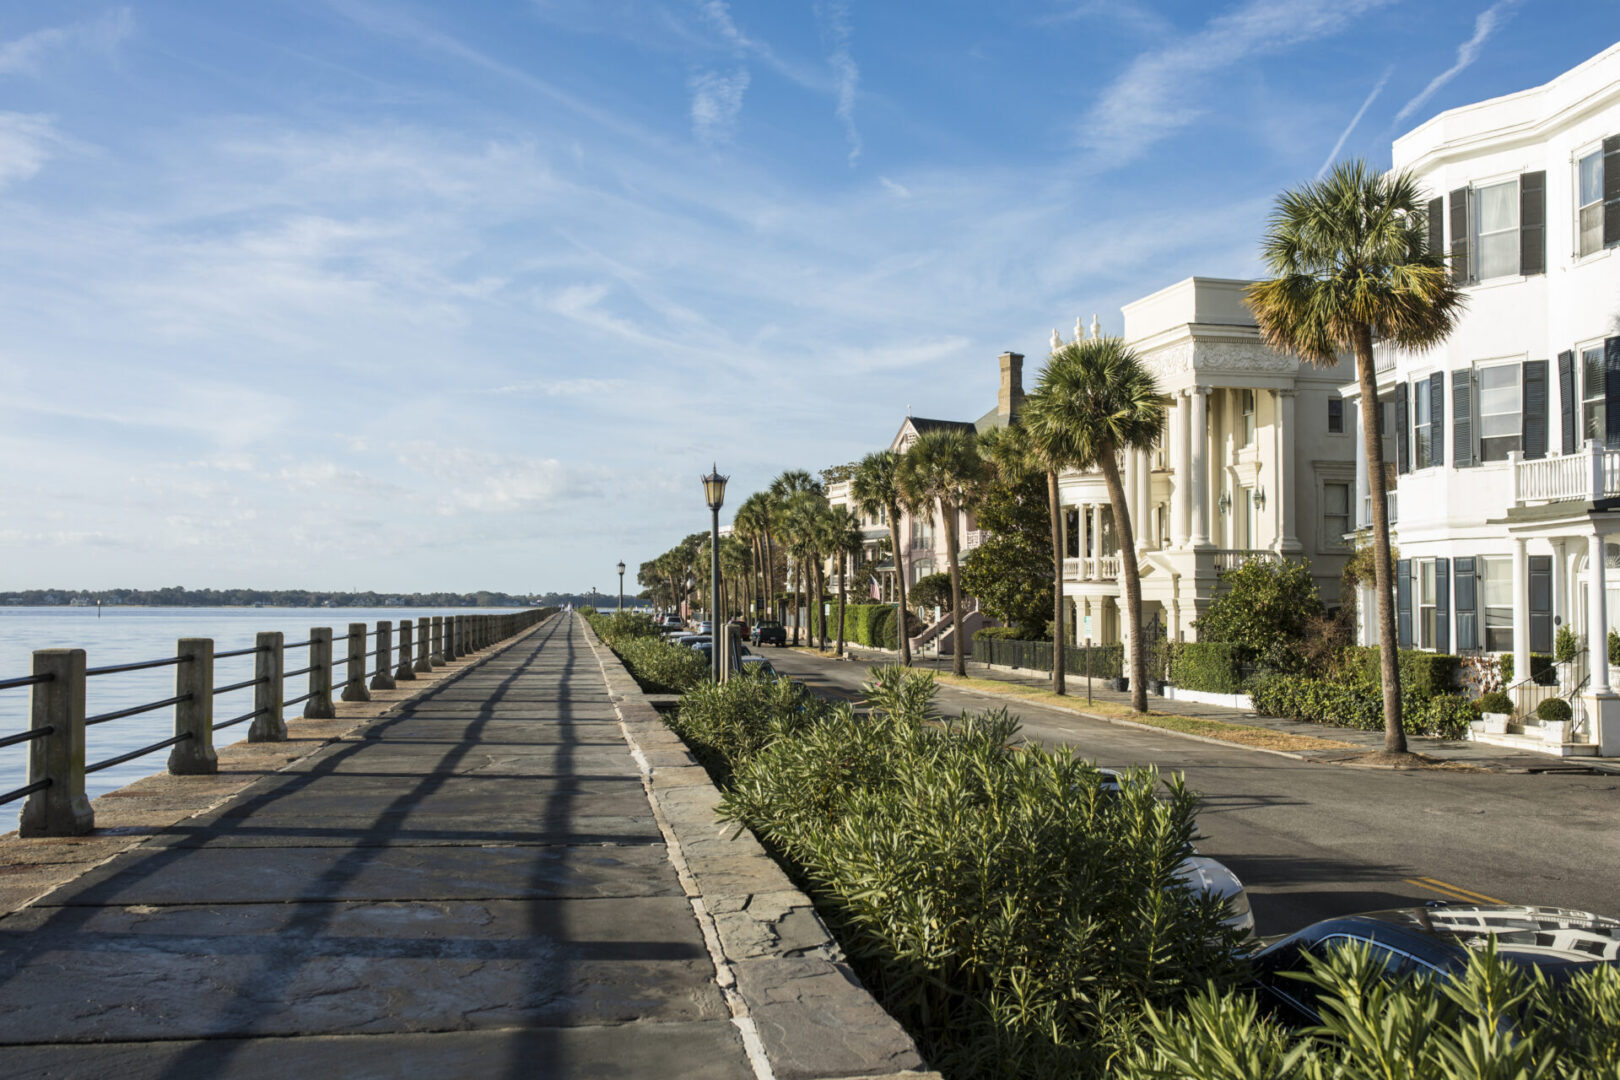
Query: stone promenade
475, 884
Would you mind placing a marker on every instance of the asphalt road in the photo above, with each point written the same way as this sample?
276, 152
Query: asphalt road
1313, 841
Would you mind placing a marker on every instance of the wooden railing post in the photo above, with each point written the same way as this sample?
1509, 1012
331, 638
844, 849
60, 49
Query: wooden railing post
436, 654
318, 706
423, 664
354, 686
384, 679
60, 808
268, 723
403, 672
194, 718
458, 628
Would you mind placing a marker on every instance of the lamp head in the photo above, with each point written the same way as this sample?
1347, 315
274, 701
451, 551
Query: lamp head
714, 488
621, 566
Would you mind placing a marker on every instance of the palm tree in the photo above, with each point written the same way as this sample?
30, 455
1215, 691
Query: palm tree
1350, 258
846, 543
941, 469
783, 489
876, 491
1094, 401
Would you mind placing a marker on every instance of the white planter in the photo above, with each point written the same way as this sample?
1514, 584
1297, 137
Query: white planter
1555, 732
1496, 722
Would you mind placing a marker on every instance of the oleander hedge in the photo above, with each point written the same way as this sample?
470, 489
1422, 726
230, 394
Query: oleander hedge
1426, 674
1213, 667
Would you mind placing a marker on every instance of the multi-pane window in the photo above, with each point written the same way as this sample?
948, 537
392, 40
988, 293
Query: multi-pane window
1426, 605
1594, 416
1247, 397
1496, 596
1335, 416
1335, 511
1423, 429
1589, 200
1496, 229
1499, 424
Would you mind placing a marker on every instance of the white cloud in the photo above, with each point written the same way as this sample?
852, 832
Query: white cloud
26, 55
718, 12
1162, 91
24, 146
716, 101
1132, 16
1485, 24
833, 15
895, 188
1354, 120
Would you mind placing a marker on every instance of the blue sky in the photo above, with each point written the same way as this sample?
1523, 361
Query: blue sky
406, 295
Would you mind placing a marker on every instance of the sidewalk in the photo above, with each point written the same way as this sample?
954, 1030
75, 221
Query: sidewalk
1478, 755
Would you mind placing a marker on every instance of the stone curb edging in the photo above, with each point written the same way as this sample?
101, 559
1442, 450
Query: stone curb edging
792, 993
129, 816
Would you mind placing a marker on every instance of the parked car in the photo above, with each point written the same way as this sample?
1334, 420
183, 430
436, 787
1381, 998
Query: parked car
705, 627
768, 632
705, 645
1436, 940
692, 640
760, 667
670, 621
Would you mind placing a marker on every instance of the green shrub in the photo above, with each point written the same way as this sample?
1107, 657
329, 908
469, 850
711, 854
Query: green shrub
1495, 1019
1211, 666
996, 633
1423, 674
1494, 702
623, 627
1106, 661
1264, 610
1614, 646
1541, 668
1013, 917
728, 723
1346, 701
931, 590
1565, 645
1448, 716
1554, 711
662, 667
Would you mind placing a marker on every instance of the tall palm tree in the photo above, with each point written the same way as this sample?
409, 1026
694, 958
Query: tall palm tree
789, 484
876, 490
748, 525
1095, 400
845, 543
942, 469
1350, 258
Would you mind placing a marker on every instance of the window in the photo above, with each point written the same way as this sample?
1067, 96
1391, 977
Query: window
1426, 597
1247, 405
1335, 416
1423, 424
1594, 418
1589, 200
1496, 594
1335, 512
1496, 229
1499, 425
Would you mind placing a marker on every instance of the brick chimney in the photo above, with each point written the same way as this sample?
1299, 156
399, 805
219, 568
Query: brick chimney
1011, 397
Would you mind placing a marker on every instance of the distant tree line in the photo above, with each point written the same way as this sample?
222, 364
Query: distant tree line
178, 596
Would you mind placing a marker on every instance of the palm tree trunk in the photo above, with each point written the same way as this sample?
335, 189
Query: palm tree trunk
900, 583
798, 586
770, 572
1133, 580
843, 581
1373, 447
1059, 627
958, 656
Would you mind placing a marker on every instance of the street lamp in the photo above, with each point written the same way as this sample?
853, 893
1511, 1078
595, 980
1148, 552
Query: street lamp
714, 493
621, 586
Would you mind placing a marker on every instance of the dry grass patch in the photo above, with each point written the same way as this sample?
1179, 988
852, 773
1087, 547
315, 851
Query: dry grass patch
1240, 734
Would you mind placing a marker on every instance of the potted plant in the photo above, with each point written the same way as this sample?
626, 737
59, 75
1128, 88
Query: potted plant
1495, 710
1158, 666
1555, 715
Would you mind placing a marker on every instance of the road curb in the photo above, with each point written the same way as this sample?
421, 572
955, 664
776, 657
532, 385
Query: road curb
803, 1012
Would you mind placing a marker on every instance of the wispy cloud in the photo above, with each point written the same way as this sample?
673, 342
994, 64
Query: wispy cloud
1162, 91
833, 15
895, 188
1485, 24
718, 13
1134, 17
24, 146
26, 55
1354, 120
717, 100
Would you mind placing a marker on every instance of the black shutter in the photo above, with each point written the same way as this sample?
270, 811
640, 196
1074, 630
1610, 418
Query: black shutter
1437, 418
1462, 418
1533, 421
1541, 627
1611, 190
1442, 605
1533, 223
1467, 605
1403, 603
1566, 399
1459, 234
1611, 393
1403, 446
1437, 227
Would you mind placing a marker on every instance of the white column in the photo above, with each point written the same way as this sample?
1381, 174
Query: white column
1133, 466
1124, 633
1200, 474
1361, 516
1180, 445
1085, 535
1521, 610
1284, 496
1144, 500
1597, 613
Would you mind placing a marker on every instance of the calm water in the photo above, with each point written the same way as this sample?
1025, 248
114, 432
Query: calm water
126, 634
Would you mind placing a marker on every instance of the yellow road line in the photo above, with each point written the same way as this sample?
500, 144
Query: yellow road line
1454, 892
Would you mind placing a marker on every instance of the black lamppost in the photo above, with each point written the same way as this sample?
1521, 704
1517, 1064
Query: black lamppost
714, 493
621, 586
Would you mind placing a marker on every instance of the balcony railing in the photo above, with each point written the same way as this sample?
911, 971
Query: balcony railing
1098, 568
1585, 476
1232, 558
973, 538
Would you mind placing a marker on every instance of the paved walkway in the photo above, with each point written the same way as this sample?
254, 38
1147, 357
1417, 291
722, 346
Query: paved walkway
475, 886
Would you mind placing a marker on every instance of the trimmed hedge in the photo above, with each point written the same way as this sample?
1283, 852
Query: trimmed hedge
1422, 673
1357, 703
1554, 711
1210, 666
1003, 633
1542, 668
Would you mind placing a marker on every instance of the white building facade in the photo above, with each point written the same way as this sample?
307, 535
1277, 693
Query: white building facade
1504, 442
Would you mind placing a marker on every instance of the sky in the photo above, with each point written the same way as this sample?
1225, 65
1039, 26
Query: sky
399, 295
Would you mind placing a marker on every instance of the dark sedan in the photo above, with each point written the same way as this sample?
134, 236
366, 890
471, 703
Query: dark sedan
768, 633
1436, 941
